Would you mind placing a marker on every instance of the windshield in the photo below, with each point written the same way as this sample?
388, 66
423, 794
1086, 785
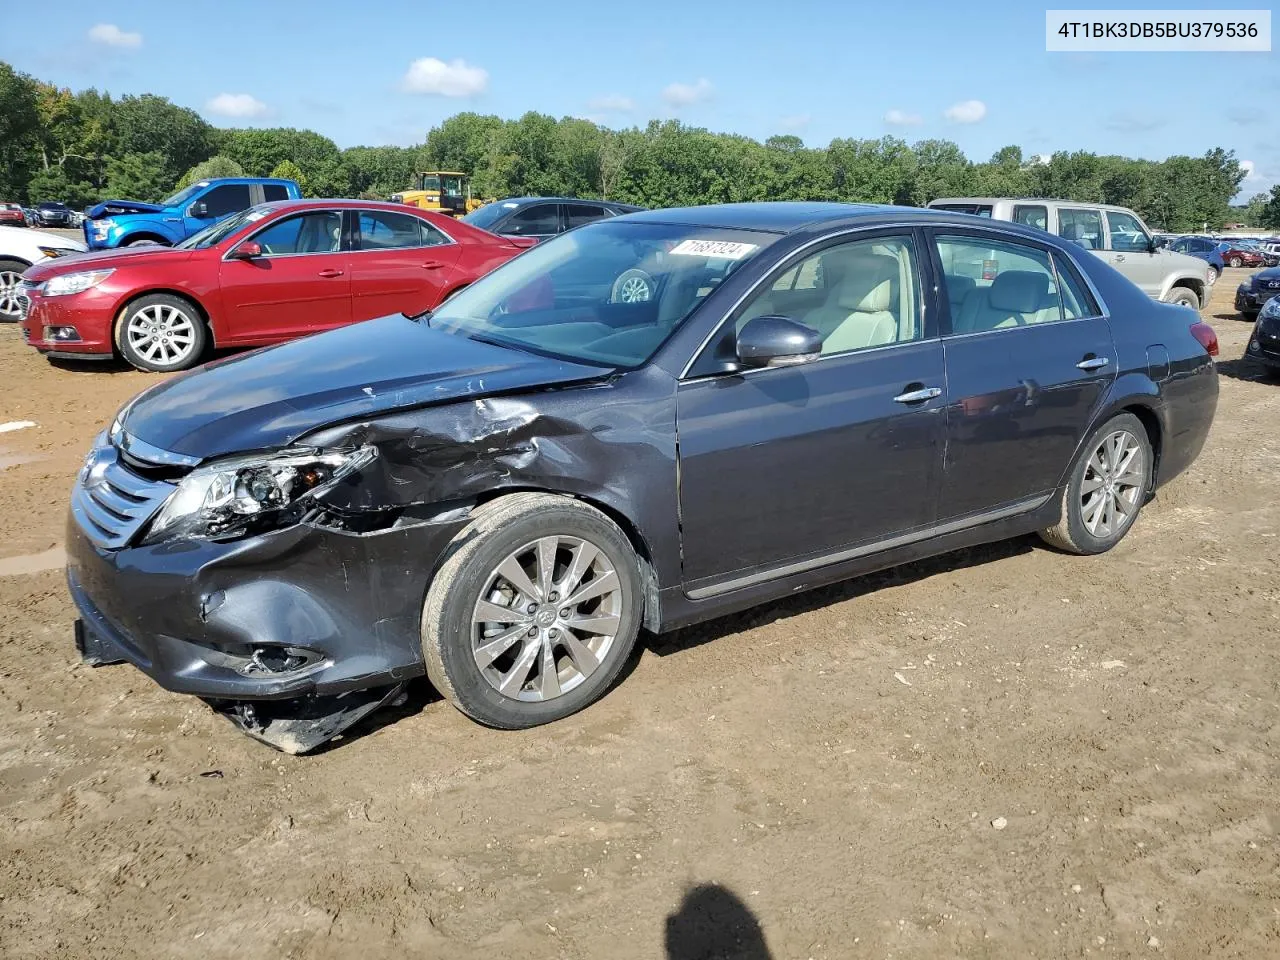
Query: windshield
608, 293
489, 214
182, 196
216, 232
428, 181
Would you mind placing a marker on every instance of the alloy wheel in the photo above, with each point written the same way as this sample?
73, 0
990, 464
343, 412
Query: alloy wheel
547, 618
1113, 485
634, 290
161, 334
9, 308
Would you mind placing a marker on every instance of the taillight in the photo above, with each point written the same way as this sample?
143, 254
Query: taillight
1207, 336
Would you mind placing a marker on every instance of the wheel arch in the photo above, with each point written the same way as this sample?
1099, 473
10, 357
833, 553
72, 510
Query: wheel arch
169, 291
136, 235
630, 529
1191, 283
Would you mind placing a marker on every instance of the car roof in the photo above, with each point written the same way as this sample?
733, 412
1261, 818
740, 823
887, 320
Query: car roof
523, 200
310, 202
794, 216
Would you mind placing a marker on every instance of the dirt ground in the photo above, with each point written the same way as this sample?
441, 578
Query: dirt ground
1004, 752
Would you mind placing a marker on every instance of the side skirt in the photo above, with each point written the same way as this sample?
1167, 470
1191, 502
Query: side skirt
680, 609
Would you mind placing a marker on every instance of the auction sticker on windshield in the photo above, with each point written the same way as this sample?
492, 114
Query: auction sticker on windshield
720, 249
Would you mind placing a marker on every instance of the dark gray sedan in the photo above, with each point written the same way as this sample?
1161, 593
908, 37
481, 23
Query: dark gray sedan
650, 421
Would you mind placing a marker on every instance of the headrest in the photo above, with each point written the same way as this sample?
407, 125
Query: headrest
959, 287
867, 282
1018, 291
1071, 231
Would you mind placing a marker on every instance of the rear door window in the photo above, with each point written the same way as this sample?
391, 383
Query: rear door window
382, 230
228, 198
537, 220
578, 214
274, 191
996, 284
1033, 215
1082, 226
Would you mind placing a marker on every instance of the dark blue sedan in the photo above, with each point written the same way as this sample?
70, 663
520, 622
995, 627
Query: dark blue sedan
650, 421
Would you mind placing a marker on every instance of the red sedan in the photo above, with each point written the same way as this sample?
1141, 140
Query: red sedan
11, 215
271, 273
1235, 256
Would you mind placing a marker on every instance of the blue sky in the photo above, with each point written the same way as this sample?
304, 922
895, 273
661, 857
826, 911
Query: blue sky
385, 71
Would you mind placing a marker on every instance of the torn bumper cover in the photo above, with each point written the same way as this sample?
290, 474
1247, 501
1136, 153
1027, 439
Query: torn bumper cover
324, 619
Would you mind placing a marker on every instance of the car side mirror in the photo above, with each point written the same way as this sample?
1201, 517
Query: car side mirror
777, 342
198, 210
1152, 246
245, 251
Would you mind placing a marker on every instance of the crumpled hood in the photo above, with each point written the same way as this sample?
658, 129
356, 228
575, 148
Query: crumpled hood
109, 207
268, 398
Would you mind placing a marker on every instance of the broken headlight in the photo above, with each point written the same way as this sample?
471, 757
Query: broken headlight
232, 497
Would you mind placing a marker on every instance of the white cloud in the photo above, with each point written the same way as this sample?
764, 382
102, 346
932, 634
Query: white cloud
795, 122
966, 111
110, 35
611, 103
1043, 159
1249, 170
900, 118
687, 94
241, 106
457, 78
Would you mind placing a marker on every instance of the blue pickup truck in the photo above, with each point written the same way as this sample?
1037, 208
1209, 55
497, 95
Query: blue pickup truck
123, 223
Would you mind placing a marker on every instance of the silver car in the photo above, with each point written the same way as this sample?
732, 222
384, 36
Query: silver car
1114, 234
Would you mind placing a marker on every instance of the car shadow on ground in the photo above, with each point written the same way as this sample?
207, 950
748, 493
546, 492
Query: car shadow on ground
1247, 369
419, 693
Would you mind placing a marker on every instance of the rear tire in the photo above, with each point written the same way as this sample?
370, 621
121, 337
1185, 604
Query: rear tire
505, 636
161, 333
1106, 489
1234, 262
10, 274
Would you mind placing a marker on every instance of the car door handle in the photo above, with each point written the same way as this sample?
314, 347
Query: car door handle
432, 265
330, 272
1093, 363
918, 396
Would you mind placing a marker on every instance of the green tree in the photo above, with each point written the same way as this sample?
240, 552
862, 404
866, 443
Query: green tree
288, 170
1256, 210
19, 131
380, 171
151, 124
216, 166
138, 176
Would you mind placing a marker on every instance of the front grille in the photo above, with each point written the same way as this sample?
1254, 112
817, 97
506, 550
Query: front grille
24, 300
112, 502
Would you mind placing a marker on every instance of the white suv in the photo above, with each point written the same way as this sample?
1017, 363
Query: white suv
20, 247
1115, 234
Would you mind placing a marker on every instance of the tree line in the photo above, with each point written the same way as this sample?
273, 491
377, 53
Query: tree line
81, 147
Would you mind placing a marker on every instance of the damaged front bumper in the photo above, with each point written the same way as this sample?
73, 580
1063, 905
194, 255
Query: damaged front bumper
322, 624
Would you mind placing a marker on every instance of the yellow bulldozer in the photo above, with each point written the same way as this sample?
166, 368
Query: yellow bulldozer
444, 191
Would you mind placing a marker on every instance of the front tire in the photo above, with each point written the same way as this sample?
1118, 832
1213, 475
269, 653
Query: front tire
533, 613
1186, 297
161, 333
1106, 489
1234, 262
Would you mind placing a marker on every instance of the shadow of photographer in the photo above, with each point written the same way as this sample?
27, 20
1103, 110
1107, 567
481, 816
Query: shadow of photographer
713, 923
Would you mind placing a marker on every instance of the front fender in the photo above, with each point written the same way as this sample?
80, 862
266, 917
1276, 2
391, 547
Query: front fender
124, 233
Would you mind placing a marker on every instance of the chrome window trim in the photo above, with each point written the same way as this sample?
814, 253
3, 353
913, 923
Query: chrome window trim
226, 257
422, 246
1062, 307
867, 228
821, 358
